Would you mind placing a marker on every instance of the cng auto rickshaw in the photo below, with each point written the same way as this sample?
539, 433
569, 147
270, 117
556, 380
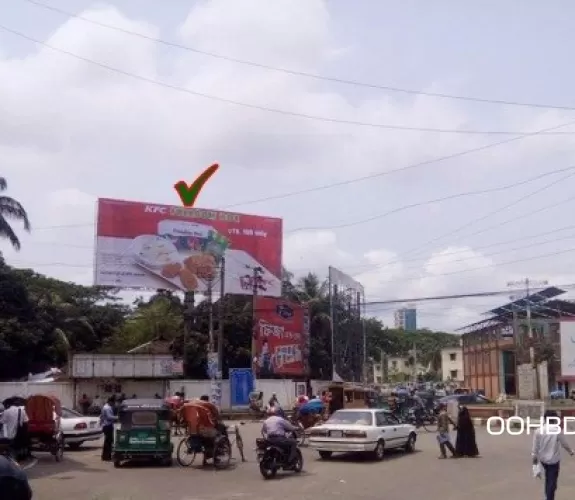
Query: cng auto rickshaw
144, 432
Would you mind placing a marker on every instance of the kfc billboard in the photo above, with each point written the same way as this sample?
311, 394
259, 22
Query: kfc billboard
141, 245
281, 337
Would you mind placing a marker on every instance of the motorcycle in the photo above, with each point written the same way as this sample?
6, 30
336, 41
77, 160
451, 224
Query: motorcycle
273, 457
422, 418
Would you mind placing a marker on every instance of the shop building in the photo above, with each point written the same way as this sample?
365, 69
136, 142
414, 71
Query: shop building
496, 351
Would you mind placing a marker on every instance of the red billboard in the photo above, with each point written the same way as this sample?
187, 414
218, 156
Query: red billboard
144, 245
281, 337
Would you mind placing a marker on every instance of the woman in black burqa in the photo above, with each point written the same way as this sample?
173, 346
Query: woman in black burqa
465, 445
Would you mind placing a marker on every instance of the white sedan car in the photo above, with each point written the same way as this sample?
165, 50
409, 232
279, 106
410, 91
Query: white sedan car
370, 431
78, 428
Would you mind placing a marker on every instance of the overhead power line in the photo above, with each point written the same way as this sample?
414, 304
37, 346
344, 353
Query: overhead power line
442, 199
317, 188
452, 297
258, 107
293, 72
497, 211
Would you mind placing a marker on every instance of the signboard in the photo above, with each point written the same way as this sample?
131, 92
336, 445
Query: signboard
216, 393
344, 281
213, 370
241, 384
281, 337
140, 245
526, 381
567, 332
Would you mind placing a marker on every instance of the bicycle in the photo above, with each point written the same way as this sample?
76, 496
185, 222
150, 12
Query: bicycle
192, 445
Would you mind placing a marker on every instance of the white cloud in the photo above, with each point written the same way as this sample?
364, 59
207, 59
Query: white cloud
79, 131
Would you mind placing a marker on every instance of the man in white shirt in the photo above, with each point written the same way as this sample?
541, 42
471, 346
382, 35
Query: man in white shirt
12, 419
15, 428
547, 452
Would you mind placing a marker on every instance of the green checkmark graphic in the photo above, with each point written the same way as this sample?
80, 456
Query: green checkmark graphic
189, 193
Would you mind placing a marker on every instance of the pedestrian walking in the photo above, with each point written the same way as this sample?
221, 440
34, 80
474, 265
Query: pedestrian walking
107, 421
465, 443
443, 438
547, 452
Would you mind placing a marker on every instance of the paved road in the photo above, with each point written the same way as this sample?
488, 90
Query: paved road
503, 472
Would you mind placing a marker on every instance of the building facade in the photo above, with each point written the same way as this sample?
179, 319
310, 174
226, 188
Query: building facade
496, 351
406, 319
452, 364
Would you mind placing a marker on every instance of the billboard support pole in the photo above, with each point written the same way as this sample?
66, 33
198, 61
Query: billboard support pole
221, 317
331, 316
189, 301
256, 280
210, 316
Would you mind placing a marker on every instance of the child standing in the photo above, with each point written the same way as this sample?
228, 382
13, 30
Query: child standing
443, 437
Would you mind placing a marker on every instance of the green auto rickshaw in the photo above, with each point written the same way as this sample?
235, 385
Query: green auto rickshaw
144, 433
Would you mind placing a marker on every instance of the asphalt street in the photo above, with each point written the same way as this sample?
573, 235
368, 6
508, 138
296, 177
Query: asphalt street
503, 471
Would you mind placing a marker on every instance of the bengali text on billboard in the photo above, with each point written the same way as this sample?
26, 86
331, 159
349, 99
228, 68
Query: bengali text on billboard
281, 337
143, 245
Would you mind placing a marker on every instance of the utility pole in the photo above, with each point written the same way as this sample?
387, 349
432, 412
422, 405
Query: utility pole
528, 284
221, 316
332, 292
257, 271
189, 301
414, 363
210, 317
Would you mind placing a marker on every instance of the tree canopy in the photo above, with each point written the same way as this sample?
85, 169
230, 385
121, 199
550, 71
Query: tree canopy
43, 320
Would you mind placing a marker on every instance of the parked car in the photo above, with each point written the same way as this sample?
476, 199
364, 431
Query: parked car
465, 399
372, 431
78, 428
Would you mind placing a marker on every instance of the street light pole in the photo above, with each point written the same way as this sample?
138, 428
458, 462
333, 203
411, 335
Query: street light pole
257, 271
528, 284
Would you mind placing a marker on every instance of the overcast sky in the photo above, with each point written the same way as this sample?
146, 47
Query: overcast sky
71, 132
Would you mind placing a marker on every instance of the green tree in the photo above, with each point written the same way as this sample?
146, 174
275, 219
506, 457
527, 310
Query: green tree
10, 209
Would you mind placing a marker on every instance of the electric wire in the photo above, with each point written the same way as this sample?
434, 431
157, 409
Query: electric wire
258, 107
447, 198
296, 72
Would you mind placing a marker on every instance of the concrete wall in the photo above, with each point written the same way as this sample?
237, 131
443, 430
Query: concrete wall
64, 391
141, 388
70, 392
285, 390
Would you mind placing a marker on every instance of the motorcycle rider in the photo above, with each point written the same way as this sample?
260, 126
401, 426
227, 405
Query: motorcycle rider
278, 431
393, 403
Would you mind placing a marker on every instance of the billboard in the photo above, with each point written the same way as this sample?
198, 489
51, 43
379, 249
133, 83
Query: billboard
142, 245
567, 330
281, 337
344, 281
348, 341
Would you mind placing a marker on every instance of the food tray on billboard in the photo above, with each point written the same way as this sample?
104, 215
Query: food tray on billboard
160, 256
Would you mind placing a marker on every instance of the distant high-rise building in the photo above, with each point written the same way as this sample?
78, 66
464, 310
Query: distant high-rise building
406, 319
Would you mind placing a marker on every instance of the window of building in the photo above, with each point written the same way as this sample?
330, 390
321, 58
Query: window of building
453, 374
394, 364
452, 356
406, 363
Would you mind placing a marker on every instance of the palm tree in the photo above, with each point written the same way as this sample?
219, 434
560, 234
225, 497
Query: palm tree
11, 209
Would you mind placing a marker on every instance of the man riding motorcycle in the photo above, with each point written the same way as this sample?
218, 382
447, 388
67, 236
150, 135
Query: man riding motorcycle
278, 431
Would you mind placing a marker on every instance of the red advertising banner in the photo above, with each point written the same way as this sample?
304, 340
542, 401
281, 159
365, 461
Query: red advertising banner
281, 337
143, 245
